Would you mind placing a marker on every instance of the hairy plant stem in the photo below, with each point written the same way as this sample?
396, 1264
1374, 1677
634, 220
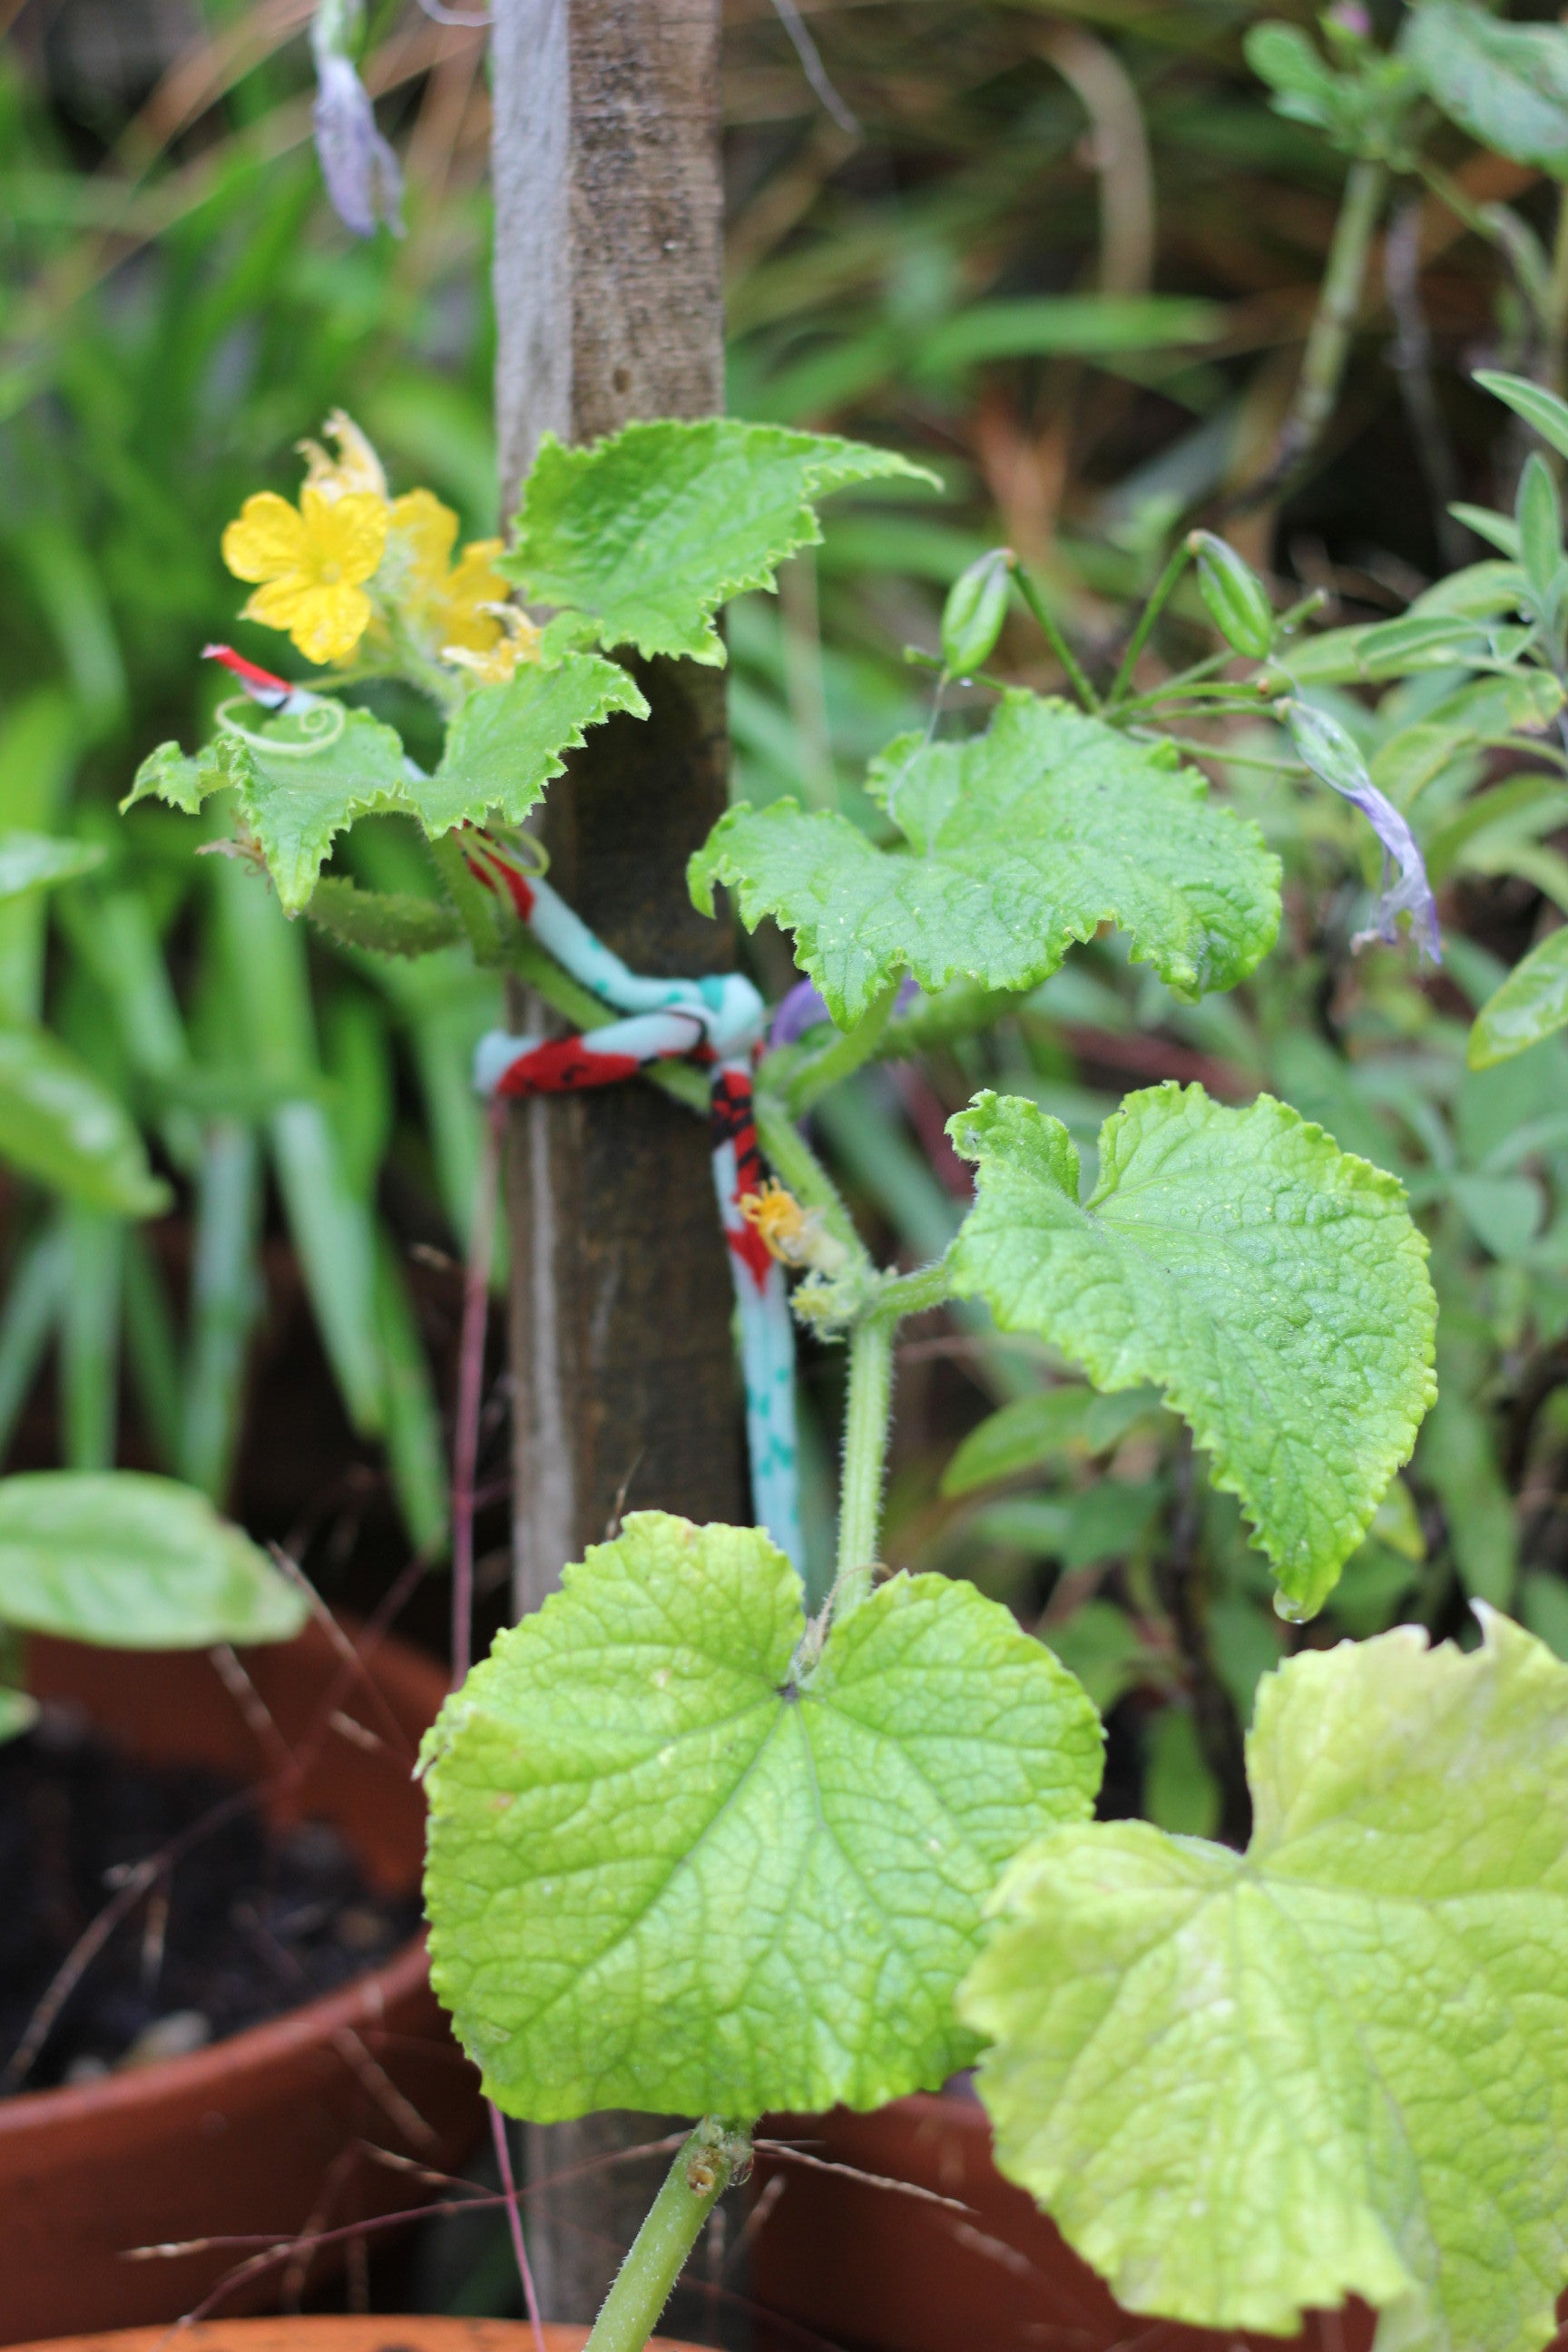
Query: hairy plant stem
1159, 596
715, 2155
849, 1049
1076, 677
867, 1418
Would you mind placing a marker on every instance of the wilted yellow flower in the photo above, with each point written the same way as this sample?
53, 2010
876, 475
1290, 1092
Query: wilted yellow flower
311, 562
355, 467
795, 1237
450, 607
519, 642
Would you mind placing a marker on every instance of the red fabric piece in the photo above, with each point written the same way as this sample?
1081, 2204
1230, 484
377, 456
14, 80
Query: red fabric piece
260, 682
564, 1067
753, 1251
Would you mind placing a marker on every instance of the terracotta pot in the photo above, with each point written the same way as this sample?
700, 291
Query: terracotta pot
262, 2133
343, 2335
856, 2261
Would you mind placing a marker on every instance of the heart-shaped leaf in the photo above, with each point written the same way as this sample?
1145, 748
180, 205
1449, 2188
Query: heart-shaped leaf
1270, 1284
1017, 844
1248, 2085
670, 1870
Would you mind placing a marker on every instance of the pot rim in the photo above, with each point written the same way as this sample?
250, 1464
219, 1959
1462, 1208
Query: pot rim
360, 2003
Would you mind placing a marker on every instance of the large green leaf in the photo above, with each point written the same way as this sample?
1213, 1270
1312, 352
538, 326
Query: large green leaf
299, 781
651, 530
39, 861
1246, 2085
506, 742
62, 1125
1271, 1285
1019, 842
1506, 84
134, 1563
670, 1870
1531, 1002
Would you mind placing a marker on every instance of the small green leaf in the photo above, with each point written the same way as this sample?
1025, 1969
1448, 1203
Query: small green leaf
134, 1563
1530, 1004
507, 741
1540, 515
669, 1871
1236, 599
301, 780
651, 530
18, 1713
1544, 410
38, 861
1304, 89
59, 1125
1248, 2085
1020, 841
975, 609
1272, 1286
1506, 84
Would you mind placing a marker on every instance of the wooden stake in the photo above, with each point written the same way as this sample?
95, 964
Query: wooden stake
607, 286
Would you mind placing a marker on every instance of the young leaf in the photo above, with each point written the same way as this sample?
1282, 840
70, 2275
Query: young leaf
1544, 410
60, 1125
1020, 841
1246, 2085
1540, 515
1506, 84
651, 530
1236, 599
1272, 1286
135, 1563
301, 780
506, 742
1531, 1002
666, 1873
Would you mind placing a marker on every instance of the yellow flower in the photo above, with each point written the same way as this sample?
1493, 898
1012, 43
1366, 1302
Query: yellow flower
456, 611
311, 562
356, 466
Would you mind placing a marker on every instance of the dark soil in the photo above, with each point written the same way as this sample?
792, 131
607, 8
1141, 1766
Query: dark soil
246, 1922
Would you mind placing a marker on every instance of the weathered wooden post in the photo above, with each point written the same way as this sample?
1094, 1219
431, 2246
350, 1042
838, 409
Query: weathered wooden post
607, 286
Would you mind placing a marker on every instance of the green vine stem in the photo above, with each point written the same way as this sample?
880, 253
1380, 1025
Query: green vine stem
849, 1049
1175, 564
867, 1418
715, 2155
1028, 589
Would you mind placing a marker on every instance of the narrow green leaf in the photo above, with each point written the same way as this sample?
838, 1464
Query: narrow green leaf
1245, 2085
1540, 514
668, 1870
1272, 1286
226, 1298
1543, 409
651, 530
39, 861
90, 1338
35, 1294
135, 1563
1530, 1004
330, 1226
415, 1441
1506, 84
1019, 842
61, 1126
507, 741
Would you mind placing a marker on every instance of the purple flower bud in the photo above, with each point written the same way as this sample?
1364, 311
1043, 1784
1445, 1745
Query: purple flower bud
364, 178
1350, 17
1330, 751
802, 1009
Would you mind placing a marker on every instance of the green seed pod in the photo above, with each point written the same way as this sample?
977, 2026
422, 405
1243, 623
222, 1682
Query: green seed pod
1236, 599
975, 609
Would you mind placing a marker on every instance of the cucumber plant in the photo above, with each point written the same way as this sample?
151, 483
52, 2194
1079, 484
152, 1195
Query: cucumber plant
696, 1847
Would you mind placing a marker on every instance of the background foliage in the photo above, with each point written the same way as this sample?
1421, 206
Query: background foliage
1068, 257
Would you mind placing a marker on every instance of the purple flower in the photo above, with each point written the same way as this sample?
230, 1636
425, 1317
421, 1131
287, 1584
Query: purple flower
1331, 755
802, 1009
364, 178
